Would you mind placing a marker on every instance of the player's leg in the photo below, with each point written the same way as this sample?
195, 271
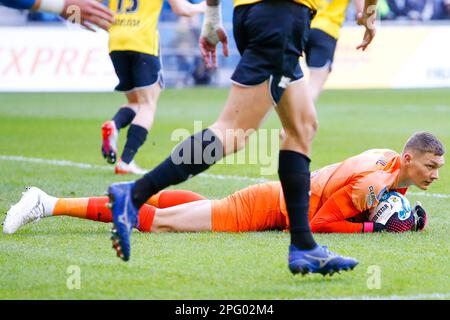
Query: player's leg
147, 82
317, 79
255, 208
172, 198
298, 116
244, 112
319, 51
126, 113
188, 217
110, 129
35, 204
139, 128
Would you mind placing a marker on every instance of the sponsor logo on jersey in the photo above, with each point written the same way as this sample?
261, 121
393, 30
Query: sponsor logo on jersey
371, 197
381, 162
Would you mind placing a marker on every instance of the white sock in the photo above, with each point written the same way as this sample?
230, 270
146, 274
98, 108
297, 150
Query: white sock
49, 203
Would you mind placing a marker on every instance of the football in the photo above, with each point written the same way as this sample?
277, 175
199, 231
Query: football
394, 212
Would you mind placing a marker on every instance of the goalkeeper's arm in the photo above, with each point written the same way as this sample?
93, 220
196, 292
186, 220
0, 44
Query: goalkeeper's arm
333, 214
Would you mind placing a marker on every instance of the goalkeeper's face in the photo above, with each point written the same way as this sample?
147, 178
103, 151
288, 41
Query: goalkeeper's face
423, 168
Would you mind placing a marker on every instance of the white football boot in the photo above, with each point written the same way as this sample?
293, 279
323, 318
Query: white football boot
34, 205
125, 168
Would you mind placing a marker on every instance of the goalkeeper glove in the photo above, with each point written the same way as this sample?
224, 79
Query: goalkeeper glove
388, 227
420, 217
373, 227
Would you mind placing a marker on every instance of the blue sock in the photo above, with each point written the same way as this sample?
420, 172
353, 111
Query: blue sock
123, 117
191, 157
294, 176
135, 139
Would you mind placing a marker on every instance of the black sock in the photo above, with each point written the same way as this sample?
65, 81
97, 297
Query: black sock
135, 139
293, 170
191, 157
123, 117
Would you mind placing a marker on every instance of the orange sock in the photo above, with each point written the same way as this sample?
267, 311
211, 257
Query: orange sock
171, 198
95, 209
74, 207
86, 208
146, 216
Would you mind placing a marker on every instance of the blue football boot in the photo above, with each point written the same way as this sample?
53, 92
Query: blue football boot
318, 260
125, 217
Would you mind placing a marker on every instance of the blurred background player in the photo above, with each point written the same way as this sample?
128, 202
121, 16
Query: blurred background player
91, 12
322, 39
270, 36
341, 196
134, 51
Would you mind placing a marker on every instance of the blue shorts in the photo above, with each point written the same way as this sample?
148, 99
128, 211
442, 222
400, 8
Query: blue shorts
320, 49
136, 70
270, 36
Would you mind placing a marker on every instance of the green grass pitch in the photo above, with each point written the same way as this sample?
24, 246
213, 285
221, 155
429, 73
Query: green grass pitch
35, 262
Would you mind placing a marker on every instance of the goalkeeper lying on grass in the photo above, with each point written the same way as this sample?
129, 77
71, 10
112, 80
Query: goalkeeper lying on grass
341, 196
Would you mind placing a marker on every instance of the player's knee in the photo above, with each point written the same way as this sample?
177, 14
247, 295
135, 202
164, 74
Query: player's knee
310, 128
233, 137
163, 227
133, 106
302, 134
162, 222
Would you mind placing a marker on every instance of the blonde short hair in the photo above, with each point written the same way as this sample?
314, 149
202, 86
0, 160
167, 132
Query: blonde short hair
424, 142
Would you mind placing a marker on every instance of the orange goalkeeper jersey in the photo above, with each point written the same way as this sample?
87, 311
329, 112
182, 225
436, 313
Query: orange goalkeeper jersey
341, 194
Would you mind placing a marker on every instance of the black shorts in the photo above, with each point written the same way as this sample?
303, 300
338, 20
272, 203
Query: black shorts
136, 70
320, 49
270, 36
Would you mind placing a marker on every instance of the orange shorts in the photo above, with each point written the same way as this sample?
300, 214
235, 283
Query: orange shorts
259, 207
255, 208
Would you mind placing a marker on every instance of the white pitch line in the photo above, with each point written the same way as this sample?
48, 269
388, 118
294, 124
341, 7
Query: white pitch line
60, 163
66, 163
224, 177
433, 195
397, 297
